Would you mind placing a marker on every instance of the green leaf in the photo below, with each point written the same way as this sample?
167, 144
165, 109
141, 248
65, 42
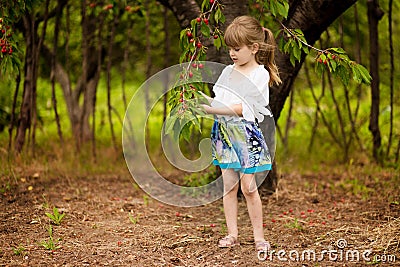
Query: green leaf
170, 123
287, 46
205, 5
292, 59
281, 44
272, 7
306, 50
333, 65
205, 30
338, 50
296, 52
185, 133
366, 77
343, 73
194, 27
217, 43
282, 9
217, 15
286, 5
176, 129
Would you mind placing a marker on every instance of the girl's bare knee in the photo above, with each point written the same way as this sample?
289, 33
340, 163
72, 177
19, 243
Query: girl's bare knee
231, 188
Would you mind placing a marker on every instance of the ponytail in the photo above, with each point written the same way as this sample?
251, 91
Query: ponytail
266, 56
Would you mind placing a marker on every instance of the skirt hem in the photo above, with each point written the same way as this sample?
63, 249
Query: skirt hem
237, 167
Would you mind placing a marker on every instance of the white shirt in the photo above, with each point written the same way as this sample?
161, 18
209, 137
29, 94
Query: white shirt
252, 91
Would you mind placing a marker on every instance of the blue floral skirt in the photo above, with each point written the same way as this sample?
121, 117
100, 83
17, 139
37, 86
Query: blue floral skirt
239, 145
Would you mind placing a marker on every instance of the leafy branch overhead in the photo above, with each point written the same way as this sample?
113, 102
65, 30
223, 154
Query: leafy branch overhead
335, 60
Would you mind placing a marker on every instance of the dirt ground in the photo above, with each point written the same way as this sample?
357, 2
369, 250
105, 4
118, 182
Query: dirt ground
109, 221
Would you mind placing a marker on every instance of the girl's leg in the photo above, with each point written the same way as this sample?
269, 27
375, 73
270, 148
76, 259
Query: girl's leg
254, 205
231, 186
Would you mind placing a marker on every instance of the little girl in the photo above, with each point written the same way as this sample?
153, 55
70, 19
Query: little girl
238, 145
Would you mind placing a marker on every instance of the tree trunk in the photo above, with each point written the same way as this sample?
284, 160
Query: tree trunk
25, 115
53, 66
392, 69
374, 15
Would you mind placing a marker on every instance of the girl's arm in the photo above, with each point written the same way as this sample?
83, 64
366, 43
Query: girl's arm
234, 110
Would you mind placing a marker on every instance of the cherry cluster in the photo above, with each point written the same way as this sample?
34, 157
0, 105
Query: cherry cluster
5, 34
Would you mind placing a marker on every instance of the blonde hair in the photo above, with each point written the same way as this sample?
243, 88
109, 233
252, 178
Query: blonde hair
246, 30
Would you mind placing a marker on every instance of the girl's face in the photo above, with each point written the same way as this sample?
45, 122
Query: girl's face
243, 55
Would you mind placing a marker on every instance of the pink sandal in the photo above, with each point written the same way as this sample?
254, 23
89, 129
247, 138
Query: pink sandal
228, 242
263, 246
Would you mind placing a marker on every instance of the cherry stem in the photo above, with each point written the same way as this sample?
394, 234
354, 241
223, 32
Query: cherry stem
297, 38
196, 48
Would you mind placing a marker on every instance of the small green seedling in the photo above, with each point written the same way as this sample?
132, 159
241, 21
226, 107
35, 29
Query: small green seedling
55, 217
135, 219
18, 251
50, 244
295, 224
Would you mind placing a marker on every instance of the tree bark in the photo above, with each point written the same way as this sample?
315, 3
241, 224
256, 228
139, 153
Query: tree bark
374, 15
25, 115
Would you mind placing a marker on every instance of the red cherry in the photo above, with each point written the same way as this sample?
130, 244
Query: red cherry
191, 40
215, 36
199, 45
201, 66
109, 6
326, 62
128, 8
198, 20
333, 56
180, 100
189, 34
212, 225
10, 51
211, 1
190, 74
320, 61
3, 31
206, 21
4, 49
92, 5
1, 20
194, 65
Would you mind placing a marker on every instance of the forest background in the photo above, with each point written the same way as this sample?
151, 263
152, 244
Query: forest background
70, 68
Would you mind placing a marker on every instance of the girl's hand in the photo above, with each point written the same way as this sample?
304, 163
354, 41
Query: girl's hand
209, 99
206, 108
